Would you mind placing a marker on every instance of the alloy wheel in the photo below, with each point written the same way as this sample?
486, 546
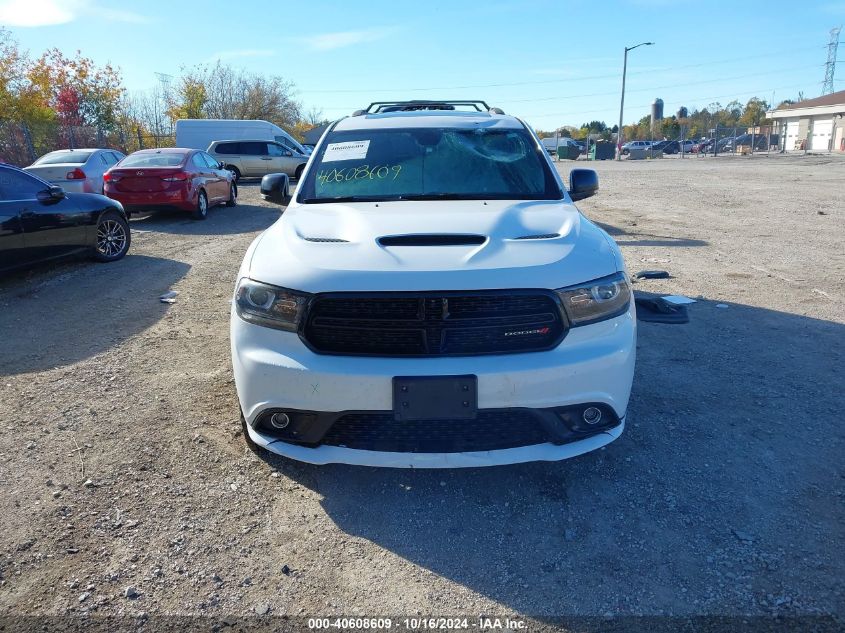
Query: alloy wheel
111, 238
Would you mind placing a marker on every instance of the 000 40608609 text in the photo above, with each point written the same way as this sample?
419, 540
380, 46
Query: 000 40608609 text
364, 172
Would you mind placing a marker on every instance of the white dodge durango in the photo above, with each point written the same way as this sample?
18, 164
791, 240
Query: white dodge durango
432, 298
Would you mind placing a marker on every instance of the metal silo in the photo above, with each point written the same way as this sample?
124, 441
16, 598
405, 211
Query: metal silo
656, 112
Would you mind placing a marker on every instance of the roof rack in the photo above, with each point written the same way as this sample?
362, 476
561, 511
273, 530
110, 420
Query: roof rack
380, 107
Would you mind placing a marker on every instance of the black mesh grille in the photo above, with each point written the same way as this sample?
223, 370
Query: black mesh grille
434, 324
489, 431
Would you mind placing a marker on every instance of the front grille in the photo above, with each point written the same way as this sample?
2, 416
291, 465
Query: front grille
434, 324
489, 431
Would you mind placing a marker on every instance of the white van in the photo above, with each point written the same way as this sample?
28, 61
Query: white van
200, 133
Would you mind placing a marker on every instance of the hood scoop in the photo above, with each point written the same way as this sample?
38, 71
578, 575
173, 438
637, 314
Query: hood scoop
539, 236
432, 239
325, 240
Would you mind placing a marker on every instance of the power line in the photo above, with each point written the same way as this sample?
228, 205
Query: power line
650, 89
648, 105
553, 81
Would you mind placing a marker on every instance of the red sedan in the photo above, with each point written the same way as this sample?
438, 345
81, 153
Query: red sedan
186, 179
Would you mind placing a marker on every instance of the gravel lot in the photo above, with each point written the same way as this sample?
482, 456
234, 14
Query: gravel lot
724, 496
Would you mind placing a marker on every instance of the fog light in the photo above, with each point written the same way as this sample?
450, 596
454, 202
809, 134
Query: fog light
592, 415
281, 420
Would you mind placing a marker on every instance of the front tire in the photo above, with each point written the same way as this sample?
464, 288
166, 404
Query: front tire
201, 210
113, 238
235, 171
298, 173
255, 448
233, 196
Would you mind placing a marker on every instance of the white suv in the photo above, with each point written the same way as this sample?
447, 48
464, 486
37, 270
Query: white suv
432, 298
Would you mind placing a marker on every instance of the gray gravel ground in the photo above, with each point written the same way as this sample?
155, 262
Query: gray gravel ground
724, 496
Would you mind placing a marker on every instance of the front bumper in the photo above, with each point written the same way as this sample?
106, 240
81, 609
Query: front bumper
275, 370
546, 452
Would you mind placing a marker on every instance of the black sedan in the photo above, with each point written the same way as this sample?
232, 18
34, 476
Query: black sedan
39, 222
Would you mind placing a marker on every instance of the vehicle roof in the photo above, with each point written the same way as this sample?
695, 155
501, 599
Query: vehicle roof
243, 140
167, 150
429, 118
82, 149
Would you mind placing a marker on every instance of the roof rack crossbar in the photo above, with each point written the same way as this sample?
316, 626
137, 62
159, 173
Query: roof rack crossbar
380, 106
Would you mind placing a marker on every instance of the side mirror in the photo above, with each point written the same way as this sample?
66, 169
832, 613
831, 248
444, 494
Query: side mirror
51, 194
276, 187
583, 183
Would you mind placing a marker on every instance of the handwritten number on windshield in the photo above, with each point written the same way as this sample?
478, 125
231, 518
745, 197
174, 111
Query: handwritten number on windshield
364, 172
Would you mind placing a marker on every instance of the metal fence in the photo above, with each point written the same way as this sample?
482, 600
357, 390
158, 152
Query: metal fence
740, 140
21, 144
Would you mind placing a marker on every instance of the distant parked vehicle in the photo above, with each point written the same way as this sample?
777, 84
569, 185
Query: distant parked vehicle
687, 145
667, 147
627, 147
76, 170
177, 178
40, 222
256, 158
200, 133
702, 146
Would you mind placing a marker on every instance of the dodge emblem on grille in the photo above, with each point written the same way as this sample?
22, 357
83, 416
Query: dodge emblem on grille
139, 173
539, 330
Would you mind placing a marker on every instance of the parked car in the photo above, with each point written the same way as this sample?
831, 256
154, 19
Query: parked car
759, 141
686, 145
432, 298
627, 147
177, 178
76, 170
199, 133
40, 222
667, 147
250, 159
702, 146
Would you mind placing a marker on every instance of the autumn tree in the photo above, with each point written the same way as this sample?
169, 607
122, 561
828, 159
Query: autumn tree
223, 92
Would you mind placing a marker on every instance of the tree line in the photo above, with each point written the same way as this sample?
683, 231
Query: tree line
55, 101
693, 124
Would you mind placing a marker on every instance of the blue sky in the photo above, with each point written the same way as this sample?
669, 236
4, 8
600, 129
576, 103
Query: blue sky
552, 62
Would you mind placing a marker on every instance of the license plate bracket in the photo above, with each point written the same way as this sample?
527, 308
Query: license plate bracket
435, 397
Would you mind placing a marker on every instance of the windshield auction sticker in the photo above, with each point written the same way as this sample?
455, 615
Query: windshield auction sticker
350, 150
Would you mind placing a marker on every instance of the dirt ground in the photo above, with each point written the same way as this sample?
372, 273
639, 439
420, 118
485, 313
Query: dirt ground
126, 488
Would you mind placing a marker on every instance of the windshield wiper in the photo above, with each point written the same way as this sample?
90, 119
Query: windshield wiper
345, 199
436, 196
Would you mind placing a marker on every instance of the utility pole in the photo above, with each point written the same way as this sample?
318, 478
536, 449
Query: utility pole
830, 66
619, 139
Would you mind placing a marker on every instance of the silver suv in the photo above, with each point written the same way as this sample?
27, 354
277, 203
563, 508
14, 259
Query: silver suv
246, 158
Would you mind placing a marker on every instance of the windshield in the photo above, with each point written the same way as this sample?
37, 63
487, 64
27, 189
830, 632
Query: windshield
429, 164
55, 158
169, 159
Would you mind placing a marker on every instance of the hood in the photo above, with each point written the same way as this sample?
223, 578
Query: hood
431, 245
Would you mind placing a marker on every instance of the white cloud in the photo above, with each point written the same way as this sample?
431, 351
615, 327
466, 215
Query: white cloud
32, 13
341, 39
241, 53
39, 12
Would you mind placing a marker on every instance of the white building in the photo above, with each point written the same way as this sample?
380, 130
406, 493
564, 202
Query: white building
816, 124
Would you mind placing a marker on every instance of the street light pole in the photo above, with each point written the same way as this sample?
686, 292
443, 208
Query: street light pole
619, 138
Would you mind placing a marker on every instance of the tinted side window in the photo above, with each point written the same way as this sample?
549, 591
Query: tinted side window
276, 150
211, 161
198, 162
15, 185
253, 148
228, 148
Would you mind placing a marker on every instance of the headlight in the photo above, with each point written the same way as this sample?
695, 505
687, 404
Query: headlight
270, 306
596, 300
